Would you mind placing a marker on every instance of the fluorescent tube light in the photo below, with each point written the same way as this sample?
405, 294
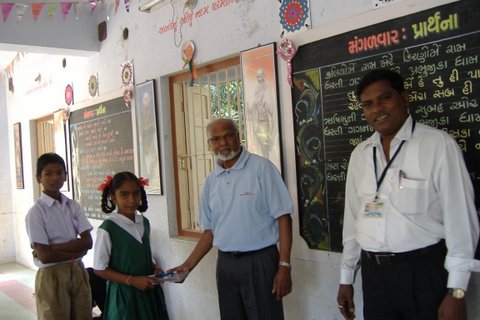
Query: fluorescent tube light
152, 5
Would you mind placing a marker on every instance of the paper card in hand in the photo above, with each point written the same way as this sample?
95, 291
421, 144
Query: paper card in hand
170, 276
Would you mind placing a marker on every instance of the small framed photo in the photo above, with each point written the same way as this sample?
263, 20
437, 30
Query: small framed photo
17, 137
262, 127
147, 136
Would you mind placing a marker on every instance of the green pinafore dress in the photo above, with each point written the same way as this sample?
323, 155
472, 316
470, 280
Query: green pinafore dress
131, 257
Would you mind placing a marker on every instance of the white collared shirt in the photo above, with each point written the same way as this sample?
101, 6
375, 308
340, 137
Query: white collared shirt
428, 196
103, 243
50, 221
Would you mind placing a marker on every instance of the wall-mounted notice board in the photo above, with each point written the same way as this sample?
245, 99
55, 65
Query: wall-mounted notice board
437, 51
101, 144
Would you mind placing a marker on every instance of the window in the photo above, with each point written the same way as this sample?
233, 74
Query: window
217, 92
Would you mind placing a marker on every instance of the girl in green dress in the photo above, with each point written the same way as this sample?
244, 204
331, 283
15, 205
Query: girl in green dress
122, 253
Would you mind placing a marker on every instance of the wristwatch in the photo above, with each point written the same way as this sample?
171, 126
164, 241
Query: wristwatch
456, 293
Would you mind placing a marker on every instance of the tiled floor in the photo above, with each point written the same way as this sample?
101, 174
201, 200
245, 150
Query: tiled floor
17, 300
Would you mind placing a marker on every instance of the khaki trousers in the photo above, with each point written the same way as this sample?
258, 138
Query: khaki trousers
63, 292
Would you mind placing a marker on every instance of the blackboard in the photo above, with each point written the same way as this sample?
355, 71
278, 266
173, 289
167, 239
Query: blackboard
101, 144
437, 51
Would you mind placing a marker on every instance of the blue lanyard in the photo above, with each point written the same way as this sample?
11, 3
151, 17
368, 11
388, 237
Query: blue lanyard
384, 172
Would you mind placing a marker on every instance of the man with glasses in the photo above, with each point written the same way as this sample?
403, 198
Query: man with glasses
245, 211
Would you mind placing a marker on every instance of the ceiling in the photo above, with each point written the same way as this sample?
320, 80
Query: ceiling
46, 34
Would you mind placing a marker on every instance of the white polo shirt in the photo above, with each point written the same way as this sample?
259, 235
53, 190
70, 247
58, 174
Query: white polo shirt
241, 204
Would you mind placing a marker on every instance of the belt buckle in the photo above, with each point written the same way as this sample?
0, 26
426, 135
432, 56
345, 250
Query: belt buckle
383, 259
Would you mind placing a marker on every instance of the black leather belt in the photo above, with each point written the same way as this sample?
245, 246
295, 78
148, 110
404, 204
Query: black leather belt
244, 253
389, 258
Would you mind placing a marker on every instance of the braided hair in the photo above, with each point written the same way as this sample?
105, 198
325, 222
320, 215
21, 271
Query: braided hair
117, 180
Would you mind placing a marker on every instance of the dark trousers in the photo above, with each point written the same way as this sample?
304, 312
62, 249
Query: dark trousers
99, 289
245, 282
409, 289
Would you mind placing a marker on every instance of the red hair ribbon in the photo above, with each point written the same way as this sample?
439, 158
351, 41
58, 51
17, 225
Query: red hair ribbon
143, 182
106, 184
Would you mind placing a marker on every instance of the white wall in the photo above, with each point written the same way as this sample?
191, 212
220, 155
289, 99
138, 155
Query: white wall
7, 232
219, 34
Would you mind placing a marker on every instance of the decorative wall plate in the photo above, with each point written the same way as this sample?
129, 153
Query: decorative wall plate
93, 85
293, 14
69, 94
127, 73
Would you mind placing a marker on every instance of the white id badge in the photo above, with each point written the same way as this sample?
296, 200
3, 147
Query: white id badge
374, 209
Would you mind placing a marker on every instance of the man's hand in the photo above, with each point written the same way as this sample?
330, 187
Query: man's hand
345, 301
181, 269
452, 309
282, 283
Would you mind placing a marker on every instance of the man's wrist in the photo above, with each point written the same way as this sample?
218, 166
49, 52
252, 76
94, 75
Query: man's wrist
285, 264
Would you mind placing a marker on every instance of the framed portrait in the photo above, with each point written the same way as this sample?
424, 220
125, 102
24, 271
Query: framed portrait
262, 127
148, 147
17, 137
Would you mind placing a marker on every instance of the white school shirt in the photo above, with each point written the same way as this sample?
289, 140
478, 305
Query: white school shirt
103, 243
50, 221
428, 196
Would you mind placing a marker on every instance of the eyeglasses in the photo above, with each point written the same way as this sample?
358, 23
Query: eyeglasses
227, 137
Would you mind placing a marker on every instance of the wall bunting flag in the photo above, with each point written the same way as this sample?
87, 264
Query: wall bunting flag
51, 9
36, 9
294, 15
6, 8
93, 5
20, 8
65, 7
76, 6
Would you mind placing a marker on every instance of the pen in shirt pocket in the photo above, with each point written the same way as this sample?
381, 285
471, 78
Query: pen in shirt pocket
401, 175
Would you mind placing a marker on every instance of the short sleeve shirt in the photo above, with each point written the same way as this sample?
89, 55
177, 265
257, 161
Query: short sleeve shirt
50, 221
241, 204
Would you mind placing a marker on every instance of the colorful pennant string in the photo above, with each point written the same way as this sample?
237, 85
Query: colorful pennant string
6, 8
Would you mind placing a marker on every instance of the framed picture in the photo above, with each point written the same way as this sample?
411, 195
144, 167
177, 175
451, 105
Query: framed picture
17, 137
262, 127
147, 136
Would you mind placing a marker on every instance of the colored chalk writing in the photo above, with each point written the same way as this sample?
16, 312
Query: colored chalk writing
437, 53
